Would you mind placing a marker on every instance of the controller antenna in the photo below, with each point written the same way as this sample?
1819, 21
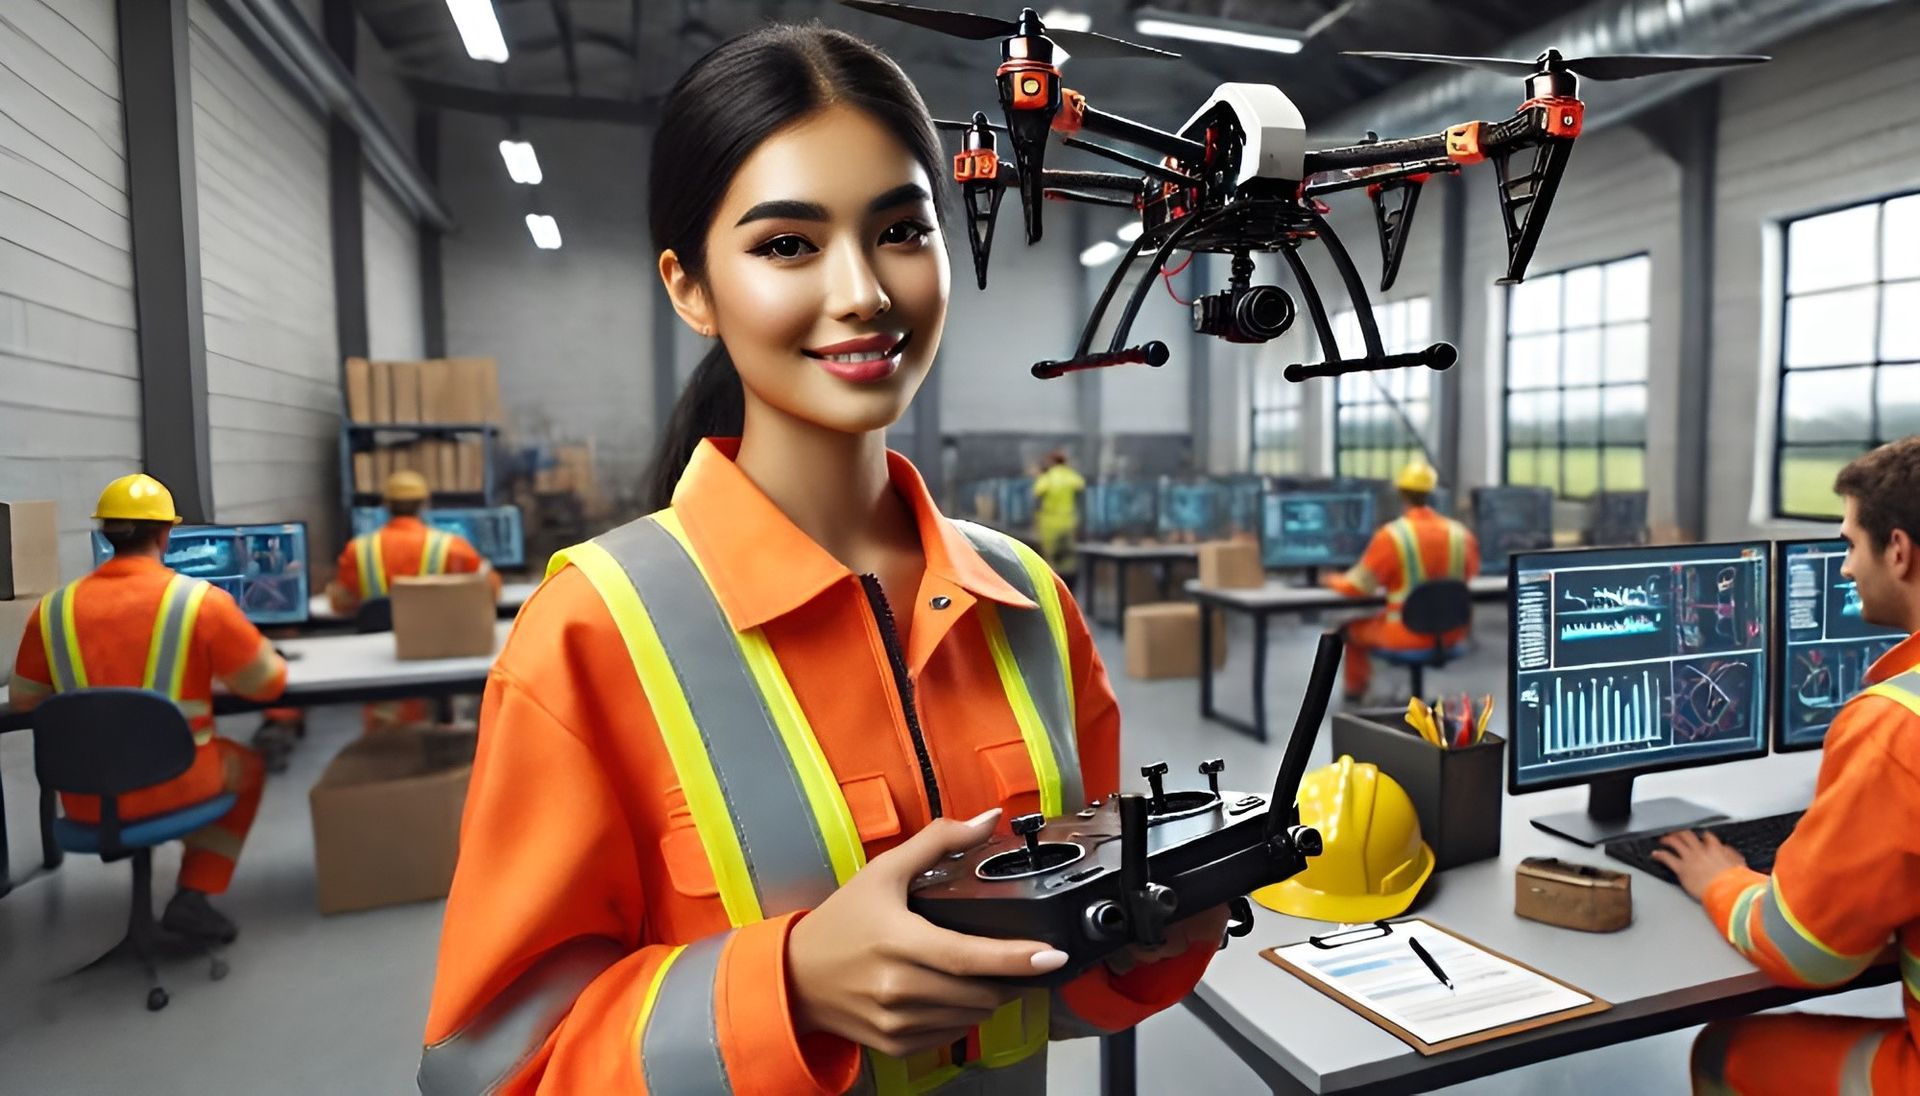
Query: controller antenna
1284, 812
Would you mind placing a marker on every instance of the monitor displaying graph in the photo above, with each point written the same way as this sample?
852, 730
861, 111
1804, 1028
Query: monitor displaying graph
1511, 519
1121, 508
1191, 509
494, 531
1631, 660
1826, 644
1315, 528
264, 567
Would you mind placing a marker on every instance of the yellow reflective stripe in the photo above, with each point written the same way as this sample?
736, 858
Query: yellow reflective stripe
1456, 550
1899, 696
1407, 544
1043, 583
1739, 929
1016, 1030
158, 641
70, 634
705, 800
923, 1072
194, 601
648, 999
433, 556
822, 789
1032, 729
57, 638
373, 566
1363, 578
1910, 971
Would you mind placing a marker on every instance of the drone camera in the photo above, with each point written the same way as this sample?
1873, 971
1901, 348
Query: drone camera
1243, 312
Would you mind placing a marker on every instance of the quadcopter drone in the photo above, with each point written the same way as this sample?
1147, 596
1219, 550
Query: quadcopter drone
1239, 178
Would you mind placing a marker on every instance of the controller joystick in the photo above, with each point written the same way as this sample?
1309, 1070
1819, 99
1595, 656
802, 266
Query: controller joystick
1029, 826
1211, 770
1035, 857
1155, 774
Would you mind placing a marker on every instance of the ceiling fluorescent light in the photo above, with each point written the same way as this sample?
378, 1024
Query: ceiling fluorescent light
1131, 231
1218, 32
546, 231
522, 164
479, 29
1062, 19
1099, 253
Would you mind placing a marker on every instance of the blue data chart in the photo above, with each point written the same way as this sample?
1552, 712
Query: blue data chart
1638, 658
1828, 644
1316, 529
1191, 509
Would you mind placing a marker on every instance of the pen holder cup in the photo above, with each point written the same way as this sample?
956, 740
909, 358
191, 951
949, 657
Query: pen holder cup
1456, 793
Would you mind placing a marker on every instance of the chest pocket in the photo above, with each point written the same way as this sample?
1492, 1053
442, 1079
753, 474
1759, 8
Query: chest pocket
869, 802
1015, 782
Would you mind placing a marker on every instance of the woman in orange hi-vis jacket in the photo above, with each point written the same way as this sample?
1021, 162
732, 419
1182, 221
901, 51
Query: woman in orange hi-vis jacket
723, 739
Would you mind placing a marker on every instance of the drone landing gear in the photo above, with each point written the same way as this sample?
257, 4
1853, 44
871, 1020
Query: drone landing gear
1438, 356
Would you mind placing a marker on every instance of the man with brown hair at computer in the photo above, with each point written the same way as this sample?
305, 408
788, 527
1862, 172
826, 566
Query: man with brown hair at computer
1846, 884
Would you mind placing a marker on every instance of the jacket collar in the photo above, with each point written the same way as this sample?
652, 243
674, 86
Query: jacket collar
1903, 657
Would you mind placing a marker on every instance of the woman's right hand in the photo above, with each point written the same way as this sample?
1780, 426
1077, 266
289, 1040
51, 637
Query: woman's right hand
863, 967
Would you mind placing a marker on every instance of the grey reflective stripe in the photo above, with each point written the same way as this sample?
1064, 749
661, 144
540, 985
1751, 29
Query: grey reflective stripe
498, 1042
173, 626
1031, 638
1814, 964
1908, 683
60, 648
1856, 1073
785, 852
680, 1050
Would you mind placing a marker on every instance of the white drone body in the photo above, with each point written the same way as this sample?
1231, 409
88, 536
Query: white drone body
1276, 133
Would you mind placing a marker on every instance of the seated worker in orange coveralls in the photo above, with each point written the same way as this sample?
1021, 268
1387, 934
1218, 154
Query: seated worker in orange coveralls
98, 631
1419, 545
1845, 887
722, 739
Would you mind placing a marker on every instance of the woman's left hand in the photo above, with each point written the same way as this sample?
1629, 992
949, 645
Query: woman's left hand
1207, 928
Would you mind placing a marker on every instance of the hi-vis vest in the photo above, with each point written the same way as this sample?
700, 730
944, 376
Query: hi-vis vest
780, 837
373, 563
1413, 569
166, 653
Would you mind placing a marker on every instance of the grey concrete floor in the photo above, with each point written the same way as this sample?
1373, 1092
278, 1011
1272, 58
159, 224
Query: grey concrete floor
327, 1005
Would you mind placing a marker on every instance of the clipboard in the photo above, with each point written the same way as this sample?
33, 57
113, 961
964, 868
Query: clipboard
1594, 1004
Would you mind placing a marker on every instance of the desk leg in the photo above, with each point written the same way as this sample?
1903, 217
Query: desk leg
1206, 659
51, 854
1260, 676
1117, 1064
1163, 574
6, 868
1120, 596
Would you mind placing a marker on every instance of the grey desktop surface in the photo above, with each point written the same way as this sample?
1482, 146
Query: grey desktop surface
342, 663
1670, 957
1110, 550
1279, 595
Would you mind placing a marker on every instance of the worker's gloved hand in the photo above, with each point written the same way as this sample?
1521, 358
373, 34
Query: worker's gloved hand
1696, 859
1207, 928
864, 967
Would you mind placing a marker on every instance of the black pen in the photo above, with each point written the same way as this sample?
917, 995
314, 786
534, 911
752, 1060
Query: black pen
1428, 960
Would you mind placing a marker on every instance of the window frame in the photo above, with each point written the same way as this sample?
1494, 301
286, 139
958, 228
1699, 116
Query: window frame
1416, 445
1260, 411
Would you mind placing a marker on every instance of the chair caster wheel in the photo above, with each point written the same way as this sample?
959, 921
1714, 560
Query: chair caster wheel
217, 970
156, 999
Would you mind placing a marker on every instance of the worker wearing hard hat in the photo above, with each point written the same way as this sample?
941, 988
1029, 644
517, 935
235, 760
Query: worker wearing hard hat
406, 545
115, 627
1057, 516
1419, 546
1372, 860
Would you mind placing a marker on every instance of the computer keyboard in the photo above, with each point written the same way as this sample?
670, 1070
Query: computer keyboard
1757, 839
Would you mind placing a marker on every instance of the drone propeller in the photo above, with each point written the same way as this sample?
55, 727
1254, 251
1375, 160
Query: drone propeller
1614, 66
980, 28
979, 120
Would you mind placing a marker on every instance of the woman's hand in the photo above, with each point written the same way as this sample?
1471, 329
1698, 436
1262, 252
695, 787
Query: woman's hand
1209, 928
862, 966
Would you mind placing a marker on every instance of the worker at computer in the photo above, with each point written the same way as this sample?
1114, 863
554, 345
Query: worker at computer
1848, 879
406, 545
117, 627
1419, 546
1056, 518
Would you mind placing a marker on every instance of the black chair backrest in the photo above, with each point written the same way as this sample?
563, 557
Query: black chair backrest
109, 741
374, 616
1437, 607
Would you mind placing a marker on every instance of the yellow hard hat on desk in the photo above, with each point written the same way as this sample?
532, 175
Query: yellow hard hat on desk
407, 486
138, 497
1372, 862
1418, 476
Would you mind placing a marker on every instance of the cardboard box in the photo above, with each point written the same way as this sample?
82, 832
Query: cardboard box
406, 391
1233, 564
382, 403
1164, 641
13, 625
359, 390
470, 460
386, 822
363, 477
436, 392
442, 616
29, 550
474, 389
447, 465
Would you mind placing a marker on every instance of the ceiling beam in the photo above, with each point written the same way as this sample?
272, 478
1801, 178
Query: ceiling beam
429, 93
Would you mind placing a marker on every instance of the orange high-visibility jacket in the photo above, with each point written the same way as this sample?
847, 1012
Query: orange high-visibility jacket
580, 865
402, 545
1403, 553
1847, 883
114, 613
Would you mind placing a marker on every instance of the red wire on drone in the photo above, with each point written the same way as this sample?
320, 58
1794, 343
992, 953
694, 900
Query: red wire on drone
1168, 275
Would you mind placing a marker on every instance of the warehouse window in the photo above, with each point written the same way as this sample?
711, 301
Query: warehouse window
1274, 442
1849, 347
1371, 440
1576, 387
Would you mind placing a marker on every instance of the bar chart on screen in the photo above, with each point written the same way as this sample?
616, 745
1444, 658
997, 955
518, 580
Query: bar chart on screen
1602, 712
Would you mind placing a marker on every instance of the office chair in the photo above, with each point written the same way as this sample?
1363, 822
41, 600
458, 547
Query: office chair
374, 616
107, 742
1433, 609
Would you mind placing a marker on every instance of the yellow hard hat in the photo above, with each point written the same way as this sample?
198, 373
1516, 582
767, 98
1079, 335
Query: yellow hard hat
1372, 863
138, 497
407, 486
1418, 476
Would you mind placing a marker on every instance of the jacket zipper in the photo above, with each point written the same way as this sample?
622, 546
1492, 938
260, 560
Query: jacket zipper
903, 685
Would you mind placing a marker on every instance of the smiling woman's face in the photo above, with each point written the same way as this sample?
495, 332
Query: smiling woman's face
826, 276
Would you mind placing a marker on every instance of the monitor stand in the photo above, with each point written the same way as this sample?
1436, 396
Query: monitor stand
1612, 815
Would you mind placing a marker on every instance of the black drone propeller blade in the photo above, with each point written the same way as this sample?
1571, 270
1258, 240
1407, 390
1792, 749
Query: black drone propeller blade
1627, 66
1085, 44
1506, 65
948, 123
960, 24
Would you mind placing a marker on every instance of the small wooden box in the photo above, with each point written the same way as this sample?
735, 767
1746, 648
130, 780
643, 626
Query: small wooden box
1572, 896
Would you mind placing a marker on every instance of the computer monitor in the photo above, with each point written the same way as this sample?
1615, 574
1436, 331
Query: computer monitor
1017, 503
1617, 518
1511, 519
1634, 660
1315, 528
264, 567
1243, 496
496, 532
1824, 645
1191, 510
1121, 508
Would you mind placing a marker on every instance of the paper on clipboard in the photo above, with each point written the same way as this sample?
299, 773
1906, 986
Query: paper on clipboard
1385, 976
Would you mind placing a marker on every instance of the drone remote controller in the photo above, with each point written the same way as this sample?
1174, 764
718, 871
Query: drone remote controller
1121, 870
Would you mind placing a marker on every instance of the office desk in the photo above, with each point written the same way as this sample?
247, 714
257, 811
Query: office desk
320, 670
1262, 602
322, 618
1669, 970
1122, 558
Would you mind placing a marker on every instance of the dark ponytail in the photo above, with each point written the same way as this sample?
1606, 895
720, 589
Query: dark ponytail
721, 109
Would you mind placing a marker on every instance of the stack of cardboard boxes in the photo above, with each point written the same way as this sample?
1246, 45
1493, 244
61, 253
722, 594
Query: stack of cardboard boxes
1163, 640
29, 569
570, 473
442, 391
